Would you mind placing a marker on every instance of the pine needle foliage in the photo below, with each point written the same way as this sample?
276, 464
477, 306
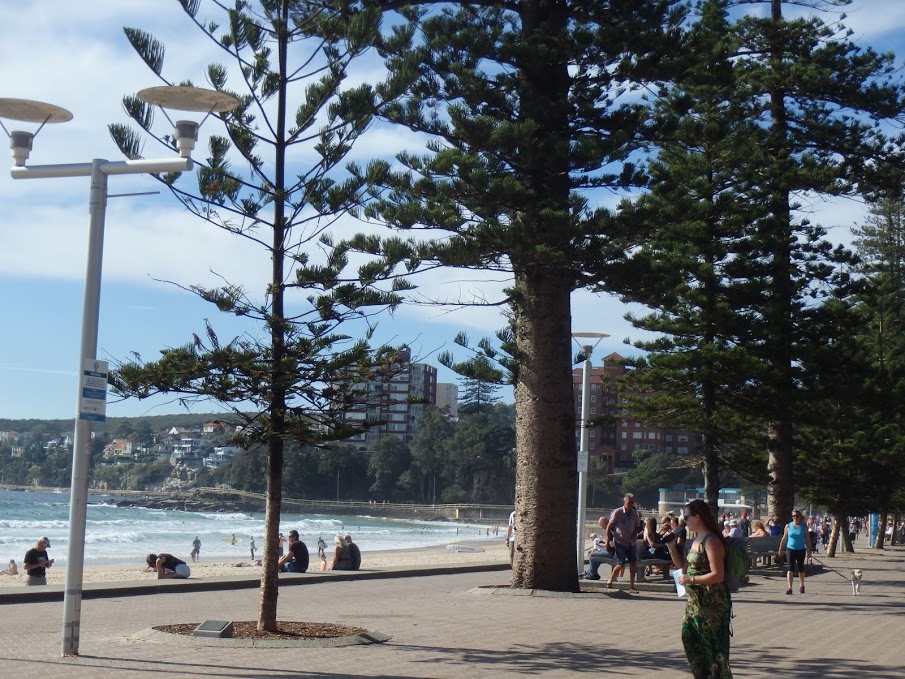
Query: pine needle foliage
286, 61
530, 111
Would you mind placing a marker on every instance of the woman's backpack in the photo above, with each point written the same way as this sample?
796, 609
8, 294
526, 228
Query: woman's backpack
735, 564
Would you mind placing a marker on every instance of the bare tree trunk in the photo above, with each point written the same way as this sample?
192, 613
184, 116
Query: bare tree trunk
270, 583
842, 525
880, 537
834, 538
894, 540
840, 528
546, 476
780, 487
711, 463
546, 479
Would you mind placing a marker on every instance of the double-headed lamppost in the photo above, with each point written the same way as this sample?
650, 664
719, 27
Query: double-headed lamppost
93, 373
583, 340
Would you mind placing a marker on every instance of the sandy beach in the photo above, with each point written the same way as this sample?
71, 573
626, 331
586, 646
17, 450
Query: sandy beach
433, 556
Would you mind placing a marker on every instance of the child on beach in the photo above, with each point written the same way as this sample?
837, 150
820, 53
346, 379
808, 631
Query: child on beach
323, 562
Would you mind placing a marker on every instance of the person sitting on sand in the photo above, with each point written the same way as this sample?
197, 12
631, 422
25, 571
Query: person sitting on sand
12, 569
296, 558
354, 552
342, 557
167, 566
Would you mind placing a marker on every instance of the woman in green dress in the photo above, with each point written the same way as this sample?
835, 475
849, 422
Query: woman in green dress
705, 627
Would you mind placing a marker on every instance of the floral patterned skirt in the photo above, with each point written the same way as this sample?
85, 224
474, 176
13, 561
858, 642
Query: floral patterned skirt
706, 631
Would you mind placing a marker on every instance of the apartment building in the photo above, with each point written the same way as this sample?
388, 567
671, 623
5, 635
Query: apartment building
398, 401
620, 436
448, 398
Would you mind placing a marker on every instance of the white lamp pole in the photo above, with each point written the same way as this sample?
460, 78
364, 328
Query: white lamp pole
584, 447
92, 373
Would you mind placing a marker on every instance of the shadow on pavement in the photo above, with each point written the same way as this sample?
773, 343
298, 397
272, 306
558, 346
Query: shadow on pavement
104, 664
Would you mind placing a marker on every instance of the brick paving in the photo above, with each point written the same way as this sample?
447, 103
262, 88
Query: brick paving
441, 627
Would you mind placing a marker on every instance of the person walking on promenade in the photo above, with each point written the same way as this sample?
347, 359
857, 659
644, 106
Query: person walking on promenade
796, 540
36, 563
622, 531
708, 611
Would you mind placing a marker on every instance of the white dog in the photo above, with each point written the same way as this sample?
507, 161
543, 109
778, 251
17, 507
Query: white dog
856, 581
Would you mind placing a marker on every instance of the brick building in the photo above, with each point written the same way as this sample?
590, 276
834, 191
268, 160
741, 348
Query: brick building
617, 438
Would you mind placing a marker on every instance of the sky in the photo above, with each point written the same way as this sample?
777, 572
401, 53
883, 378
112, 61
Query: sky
75, 55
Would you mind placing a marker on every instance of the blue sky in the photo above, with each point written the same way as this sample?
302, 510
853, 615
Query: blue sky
76, 56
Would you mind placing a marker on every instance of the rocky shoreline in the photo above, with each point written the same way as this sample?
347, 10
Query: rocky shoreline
216, 500
192, 503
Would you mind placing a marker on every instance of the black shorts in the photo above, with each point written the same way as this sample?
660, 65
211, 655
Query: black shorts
795, 560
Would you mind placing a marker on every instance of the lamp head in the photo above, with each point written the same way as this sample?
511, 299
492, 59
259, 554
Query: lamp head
186, 135
20, 143
184, 98
28, 111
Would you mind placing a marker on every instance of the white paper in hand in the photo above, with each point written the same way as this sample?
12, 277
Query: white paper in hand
680, 588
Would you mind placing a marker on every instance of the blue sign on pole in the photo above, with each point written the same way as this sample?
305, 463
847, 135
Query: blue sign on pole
93, 398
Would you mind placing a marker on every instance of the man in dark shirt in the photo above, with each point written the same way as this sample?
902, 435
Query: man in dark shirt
354, 552
36, 563
167, 566
296, 558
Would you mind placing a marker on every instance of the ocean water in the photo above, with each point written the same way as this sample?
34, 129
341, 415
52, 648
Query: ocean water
115, 535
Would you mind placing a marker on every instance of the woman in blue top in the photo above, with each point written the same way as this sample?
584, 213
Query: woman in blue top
797, 542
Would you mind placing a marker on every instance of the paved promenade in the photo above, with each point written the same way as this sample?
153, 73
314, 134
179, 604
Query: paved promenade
441, 627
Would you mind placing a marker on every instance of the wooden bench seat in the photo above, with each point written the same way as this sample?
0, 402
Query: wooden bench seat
765, 549
643, 563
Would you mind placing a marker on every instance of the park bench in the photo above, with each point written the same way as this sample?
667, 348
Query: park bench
643, 563
764, 549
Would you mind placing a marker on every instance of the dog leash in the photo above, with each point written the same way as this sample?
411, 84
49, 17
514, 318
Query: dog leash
830, 568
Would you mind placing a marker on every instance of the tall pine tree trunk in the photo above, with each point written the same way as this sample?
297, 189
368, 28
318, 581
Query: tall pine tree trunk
545, 476
780, 488
880, 537
270, 584
840, 528
711, 462
894, 540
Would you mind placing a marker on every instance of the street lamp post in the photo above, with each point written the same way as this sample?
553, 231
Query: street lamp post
584, 451
91, 394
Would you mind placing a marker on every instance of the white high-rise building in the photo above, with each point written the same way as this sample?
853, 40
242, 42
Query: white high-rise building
448, 398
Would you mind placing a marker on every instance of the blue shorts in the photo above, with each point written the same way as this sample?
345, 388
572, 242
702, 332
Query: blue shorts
626, 553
